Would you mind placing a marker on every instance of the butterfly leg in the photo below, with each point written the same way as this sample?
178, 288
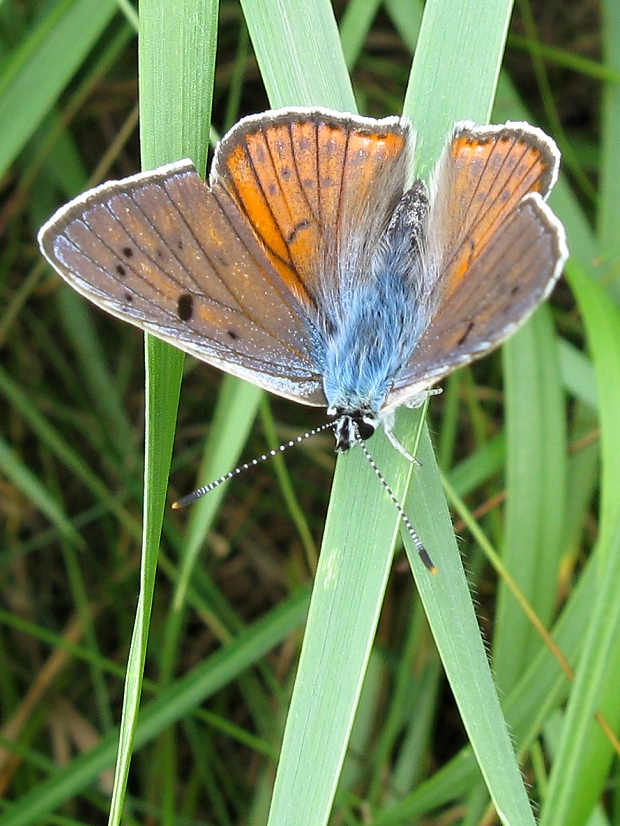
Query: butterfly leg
420, 398
388, 423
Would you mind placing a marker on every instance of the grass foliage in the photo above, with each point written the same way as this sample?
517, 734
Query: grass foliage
278, 654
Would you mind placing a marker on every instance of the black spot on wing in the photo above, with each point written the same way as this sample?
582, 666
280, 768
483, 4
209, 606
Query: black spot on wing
234, 336
127, 252
185, 306
121, 270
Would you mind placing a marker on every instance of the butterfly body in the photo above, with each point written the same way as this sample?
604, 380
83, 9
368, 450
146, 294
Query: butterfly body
377, 321
311, 266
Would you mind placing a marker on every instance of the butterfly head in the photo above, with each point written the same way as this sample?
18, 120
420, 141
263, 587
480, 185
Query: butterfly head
352, 426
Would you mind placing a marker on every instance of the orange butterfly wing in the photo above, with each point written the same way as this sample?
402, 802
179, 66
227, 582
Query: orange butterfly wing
313, 184
495, 246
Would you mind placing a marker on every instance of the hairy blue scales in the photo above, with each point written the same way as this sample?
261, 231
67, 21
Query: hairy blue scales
380, 315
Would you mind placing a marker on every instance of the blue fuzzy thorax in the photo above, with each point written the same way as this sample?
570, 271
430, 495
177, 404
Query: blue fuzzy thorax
373, 335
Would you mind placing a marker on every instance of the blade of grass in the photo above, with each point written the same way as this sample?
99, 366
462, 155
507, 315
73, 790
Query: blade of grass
536, 491
177, 45
42, 66
467, 75
354, 26
455, 628
609, 205
299, 54
235, 412
35, 492
353, 567
582, 760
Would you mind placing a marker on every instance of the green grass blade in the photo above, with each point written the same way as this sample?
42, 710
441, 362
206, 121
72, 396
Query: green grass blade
40, 69
536, 492
467, 76
609, 205
35, 492
355, 560
177, 52
354, 26
583, 757
233, 418
451, 615
298, 49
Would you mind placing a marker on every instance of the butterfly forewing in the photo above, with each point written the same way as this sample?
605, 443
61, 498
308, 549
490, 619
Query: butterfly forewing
159, 250
484, 312
304, 180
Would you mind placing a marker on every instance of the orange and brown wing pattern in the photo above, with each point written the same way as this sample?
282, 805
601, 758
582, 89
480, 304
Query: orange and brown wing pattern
157, 250
484, 174
494, 247
303, 178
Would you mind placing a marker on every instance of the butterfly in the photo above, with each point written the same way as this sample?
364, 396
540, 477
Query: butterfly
311, 264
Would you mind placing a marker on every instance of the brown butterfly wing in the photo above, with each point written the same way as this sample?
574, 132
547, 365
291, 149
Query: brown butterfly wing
159, 250
318, 188
244, 273
496, 247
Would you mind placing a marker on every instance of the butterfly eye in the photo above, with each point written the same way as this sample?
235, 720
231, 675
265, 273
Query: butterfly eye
365, 427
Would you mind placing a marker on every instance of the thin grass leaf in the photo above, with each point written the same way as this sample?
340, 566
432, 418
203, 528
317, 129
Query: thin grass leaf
232, 420
609, 203
298, 50
582, 760
536, 477
40, 69
448, 85
35, 492
354, 26
177, 52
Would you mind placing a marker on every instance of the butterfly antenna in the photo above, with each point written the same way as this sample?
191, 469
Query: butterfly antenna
184, 501
422, 552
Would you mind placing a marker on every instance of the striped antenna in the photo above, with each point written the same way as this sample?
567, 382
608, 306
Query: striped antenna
423, 553
184, 501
